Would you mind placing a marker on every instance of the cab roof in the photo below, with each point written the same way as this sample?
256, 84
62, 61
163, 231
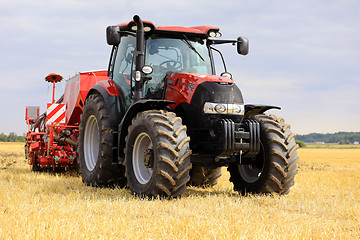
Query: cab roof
149, 26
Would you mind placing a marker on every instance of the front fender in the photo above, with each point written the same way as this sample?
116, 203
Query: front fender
253, 109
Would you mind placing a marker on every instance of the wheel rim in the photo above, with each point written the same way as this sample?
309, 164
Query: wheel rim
91, 142
142, 170
252, 172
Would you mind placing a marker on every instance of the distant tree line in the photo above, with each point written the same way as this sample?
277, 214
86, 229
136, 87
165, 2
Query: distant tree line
12, 137
339, 137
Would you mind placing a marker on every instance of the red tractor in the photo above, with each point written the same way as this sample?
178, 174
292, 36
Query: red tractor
160, 119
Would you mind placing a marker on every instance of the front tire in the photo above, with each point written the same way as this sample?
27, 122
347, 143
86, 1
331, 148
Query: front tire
157, 155
273, 169
95, 146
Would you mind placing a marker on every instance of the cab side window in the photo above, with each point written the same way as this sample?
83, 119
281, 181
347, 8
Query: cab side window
123, 64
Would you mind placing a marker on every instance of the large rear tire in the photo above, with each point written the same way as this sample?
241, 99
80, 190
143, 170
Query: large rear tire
273, 169
204, 176
95, 146
157, 155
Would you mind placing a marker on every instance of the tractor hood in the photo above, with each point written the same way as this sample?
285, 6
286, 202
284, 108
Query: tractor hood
202, 87
193, 92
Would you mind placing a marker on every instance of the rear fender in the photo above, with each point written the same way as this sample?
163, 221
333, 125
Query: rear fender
135, 108
253, 109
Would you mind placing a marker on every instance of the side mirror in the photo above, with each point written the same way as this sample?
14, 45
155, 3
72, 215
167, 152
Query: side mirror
113, 35
242, 45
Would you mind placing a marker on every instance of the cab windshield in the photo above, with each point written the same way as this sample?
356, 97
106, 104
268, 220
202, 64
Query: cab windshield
169, 55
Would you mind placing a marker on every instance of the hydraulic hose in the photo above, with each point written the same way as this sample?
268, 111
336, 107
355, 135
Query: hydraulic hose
64, 139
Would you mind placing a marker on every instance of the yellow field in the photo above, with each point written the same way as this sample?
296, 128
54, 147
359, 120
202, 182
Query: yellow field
324, 204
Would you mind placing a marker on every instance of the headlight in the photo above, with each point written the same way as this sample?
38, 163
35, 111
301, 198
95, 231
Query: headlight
214, 34
223, 108
220, 108
237, 109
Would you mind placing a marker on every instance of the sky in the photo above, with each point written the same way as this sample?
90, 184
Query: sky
304, 55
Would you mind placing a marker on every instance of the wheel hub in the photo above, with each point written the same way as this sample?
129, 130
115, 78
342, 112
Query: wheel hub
149, 158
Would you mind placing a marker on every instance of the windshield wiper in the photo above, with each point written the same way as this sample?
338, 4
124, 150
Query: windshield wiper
186, 40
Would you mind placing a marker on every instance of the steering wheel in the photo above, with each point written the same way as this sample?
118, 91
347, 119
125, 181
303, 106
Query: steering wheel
171, 64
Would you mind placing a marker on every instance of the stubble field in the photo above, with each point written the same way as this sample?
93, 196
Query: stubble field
323, 204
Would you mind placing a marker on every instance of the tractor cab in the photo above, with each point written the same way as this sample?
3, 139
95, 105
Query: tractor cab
163, 55
165, 50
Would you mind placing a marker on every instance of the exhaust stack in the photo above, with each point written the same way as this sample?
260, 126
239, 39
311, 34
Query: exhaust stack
139, 57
